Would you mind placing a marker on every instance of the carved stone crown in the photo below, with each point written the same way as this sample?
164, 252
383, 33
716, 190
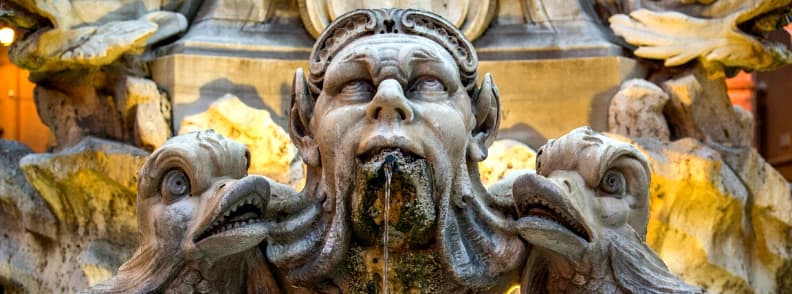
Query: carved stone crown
366, 22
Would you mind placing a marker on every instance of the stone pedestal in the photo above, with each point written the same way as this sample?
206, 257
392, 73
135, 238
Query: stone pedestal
555, 96
248, 49
195, 81
555, 70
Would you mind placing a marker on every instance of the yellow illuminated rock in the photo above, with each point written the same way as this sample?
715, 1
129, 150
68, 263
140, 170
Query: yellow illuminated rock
272, 152
147, 110
93, 182
91, 189
506, 156
719, 222
552, 103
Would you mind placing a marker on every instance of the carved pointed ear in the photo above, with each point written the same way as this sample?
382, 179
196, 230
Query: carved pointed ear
302, 104
486, 108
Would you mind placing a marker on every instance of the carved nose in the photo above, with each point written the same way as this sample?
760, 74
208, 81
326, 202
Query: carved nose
389, 103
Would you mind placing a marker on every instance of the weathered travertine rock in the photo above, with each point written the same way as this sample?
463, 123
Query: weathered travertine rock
75, 105
90, 186
80, 228
81, 52
272, 152
100, 260
146, 111
16, 193
745, 120
637, 111
23, 217
699, 108
84, 47
69, 35
724, 226
77, 111
503, 157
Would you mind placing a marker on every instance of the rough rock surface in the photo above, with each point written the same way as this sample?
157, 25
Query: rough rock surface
23, 217
700, 108
721, 222
94, 103
16, 192
637, 111
90, 190
272, 152
92, 183
146, 111
77, 110
88, 46
81, 55
503, 157
69, 35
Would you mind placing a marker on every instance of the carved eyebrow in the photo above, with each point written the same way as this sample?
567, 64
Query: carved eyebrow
361, 57
422, 54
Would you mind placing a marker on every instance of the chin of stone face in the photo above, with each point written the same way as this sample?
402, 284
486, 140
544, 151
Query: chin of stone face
411, 216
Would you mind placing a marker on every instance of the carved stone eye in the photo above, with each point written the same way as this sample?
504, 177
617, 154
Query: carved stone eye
613, 183
358, 88
428, 84
175, 184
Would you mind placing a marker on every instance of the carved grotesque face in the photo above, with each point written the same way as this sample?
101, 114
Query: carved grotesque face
391, 126
396, 98
589, 186
195, 198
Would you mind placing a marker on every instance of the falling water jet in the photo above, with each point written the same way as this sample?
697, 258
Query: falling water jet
388, 169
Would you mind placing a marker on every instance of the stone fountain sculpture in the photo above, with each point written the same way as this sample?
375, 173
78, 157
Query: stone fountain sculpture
586, 212
391, 123
394, 90
200, 219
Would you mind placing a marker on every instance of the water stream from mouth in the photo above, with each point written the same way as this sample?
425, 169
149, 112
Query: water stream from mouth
388, 169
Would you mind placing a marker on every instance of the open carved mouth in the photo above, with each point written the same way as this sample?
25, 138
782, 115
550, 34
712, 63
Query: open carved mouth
540, 208
380, 154
762, 25
245, 212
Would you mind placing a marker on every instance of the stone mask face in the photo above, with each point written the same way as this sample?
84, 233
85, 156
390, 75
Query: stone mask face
392, 94
396, 90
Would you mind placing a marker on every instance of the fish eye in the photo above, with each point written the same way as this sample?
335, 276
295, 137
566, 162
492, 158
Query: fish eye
613, 183
175, 184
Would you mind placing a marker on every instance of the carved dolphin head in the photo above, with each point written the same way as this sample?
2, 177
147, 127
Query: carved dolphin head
586, 183
587, 210
195, 203
195, 191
